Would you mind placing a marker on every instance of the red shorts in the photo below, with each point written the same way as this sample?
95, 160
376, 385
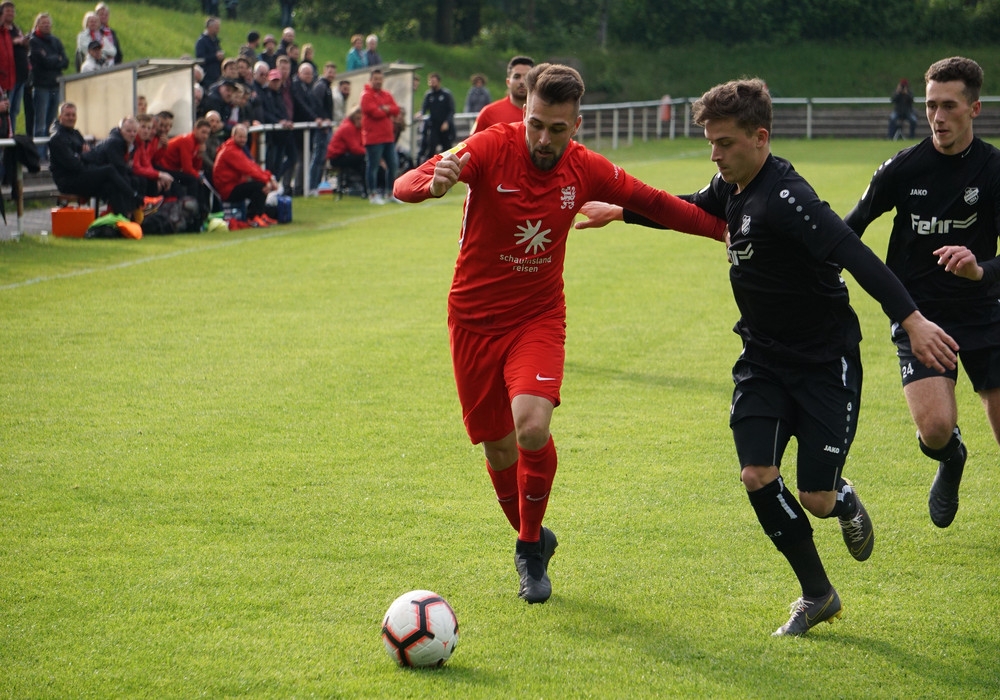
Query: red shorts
490, 370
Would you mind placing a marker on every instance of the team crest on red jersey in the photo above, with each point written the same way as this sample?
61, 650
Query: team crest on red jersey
568, 197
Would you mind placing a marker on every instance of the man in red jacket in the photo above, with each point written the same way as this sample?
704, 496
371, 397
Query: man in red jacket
378, 109
346, 150
182, 159
238, 177
156, 181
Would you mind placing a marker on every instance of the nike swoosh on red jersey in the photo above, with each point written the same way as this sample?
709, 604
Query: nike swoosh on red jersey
503, 190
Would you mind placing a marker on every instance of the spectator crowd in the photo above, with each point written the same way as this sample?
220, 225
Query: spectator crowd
269, 82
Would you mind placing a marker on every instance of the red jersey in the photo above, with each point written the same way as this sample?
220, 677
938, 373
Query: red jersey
376, 123
157, 152
502, 111
517, 218
8, 73
346, 139
234, 167
183, 154
142, 159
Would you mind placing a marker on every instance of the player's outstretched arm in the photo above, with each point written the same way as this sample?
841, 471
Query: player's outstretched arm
446, 173
432, 179
960, 261
931, 345
599, 214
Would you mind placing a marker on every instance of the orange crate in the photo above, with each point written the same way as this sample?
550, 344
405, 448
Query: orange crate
71, 221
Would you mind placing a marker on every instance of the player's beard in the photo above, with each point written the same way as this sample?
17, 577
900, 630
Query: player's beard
544, 159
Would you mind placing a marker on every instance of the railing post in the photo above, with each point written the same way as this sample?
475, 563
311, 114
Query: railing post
306, 160
809, 118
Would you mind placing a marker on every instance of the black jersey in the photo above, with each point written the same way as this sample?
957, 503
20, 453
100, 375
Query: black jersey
942, 200
793, 301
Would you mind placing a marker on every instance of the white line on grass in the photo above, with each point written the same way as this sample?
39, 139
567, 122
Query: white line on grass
167, 256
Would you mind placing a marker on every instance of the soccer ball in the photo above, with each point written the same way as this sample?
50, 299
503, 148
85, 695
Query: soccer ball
420, 629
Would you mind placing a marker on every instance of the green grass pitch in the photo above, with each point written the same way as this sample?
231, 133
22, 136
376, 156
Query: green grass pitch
223, 456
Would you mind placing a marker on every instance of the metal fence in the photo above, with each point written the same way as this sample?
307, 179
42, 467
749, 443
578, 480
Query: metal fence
613, 125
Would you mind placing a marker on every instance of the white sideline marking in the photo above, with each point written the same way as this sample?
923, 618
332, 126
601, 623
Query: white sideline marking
166, 256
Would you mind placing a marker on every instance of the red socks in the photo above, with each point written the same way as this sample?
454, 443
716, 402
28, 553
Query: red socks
535, 473
523, 489
505, 485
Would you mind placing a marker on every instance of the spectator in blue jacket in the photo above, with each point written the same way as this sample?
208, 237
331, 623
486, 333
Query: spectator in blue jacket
356, 59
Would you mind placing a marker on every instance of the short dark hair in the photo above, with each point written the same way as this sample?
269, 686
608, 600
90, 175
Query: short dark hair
165, 114
555, 84
202, 122
374, 71
253, 36
519, 61
958, 68
745, 100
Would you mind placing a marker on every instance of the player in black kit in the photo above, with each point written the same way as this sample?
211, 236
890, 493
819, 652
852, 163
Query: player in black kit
800, 370
943, 247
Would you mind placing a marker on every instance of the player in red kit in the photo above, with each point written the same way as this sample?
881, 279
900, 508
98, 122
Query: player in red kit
506, 309
510, 107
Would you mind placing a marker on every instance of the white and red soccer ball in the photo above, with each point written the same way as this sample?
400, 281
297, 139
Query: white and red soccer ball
420, 630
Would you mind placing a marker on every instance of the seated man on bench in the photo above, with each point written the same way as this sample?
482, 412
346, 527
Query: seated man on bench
74, 172
239, 178
346, 151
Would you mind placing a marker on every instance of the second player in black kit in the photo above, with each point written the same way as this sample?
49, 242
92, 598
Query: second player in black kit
943, 247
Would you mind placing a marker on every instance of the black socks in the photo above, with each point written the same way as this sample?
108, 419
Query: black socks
786, 523
951, 456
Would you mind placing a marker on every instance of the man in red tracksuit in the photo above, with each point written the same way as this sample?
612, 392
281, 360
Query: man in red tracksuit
156, 182
238, 177
182, 159
346, 150
378, 109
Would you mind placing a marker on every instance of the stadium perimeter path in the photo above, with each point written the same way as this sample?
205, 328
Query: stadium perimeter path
33, 222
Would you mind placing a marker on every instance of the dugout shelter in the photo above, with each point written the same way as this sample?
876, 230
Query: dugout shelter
102, 98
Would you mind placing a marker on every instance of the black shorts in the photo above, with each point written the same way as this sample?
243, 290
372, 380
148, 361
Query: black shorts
818, 403
982, 366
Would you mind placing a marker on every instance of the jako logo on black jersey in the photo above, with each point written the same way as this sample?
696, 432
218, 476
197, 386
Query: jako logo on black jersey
924, 227
918, 193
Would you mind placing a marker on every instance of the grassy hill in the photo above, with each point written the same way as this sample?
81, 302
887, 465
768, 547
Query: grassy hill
626, 73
